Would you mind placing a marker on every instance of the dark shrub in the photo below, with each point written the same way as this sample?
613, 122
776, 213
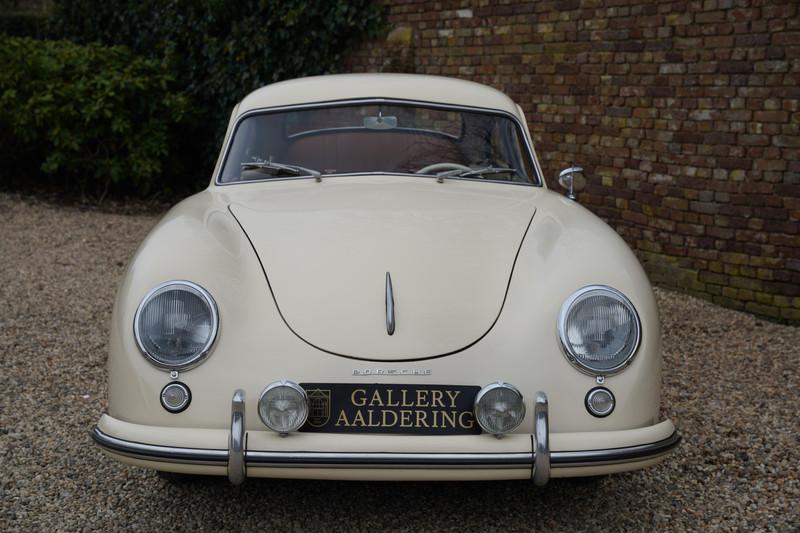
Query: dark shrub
219, 51
88, 117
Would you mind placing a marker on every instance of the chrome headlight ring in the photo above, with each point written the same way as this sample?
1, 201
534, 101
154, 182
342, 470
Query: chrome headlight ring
631, 346
211, 306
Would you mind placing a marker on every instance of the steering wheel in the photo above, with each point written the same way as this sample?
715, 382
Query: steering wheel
441, 167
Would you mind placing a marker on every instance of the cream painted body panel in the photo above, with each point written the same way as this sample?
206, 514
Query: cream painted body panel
434, 89
326, 249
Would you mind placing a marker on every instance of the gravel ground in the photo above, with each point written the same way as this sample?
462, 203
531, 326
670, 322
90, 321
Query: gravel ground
730, 382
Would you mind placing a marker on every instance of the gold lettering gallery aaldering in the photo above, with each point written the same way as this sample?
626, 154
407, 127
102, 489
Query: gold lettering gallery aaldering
405, 409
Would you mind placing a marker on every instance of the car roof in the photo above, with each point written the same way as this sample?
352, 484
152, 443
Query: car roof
436, 89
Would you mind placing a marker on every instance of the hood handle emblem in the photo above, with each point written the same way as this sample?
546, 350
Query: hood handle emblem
389, 305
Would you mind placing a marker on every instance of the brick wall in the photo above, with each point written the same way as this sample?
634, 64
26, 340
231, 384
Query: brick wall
684, 113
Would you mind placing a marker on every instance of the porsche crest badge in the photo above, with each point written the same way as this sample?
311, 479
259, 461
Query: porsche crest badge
319, 407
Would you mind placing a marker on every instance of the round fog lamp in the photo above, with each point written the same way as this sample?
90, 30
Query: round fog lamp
600, 402
283, 406
175, 397
499, 408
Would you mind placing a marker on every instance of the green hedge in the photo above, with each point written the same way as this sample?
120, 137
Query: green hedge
89, 118
218, 50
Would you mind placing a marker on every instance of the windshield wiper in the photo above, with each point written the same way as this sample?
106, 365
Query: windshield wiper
483, 172
278, 168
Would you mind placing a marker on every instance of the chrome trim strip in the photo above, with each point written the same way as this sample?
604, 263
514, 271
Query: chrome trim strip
389, 305
237, 468
154, 452
570, 459
541, 441
356, 174
628, 454
377, 100
389, 460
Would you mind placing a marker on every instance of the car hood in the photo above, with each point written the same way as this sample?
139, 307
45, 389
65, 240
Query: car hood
326, 249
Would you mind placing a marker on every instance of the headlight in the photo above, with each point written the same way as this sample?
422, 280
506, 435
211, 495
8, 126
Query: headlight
599, 330
283, 406
499, 408
176, 324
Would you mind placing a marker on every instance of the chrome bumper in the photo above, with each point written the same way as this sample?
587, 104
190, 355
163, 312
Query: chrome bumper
237, 459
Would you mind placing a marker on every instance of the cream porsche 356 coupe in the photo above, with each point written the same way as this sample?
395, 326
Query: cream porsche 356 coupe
377, 284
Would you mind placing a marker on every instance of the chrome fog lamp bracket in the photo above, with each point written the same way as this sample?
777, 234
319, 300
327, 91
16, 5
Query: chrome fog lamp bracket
237, 469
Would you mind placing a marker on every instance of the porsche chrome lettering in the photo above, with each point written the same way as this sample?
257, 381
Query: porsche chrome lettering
392, 372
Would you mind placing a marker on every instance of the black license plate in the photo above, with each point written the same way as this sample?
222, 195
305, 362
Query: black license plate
382, 408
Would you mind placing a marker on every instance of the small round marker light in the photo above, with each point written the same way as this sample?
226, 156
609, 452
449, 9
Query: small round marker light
499, 408
600, 402
175, 397
283, 406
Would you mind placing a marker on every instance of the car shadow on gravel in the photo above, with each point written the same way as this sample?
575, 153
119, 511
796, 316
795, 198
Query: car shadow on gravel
477, 505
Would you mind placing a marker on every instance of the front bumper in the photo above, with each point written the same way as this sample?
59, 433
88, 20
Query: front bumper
248, 454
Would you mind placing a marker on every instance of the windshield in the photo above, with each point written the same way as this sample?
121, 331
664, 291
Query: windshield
378, 138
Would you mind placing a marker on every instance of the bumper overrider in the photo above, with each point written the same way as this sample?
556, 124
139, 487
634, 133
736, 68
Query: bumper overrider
539, 461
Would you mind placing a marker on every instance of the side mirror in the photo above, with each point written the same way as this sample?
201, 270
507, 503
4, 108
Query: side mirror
573, 180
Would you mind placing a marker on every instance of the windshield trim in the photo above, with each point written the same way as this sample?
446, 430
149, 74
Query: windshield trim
376, 173
534, 181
